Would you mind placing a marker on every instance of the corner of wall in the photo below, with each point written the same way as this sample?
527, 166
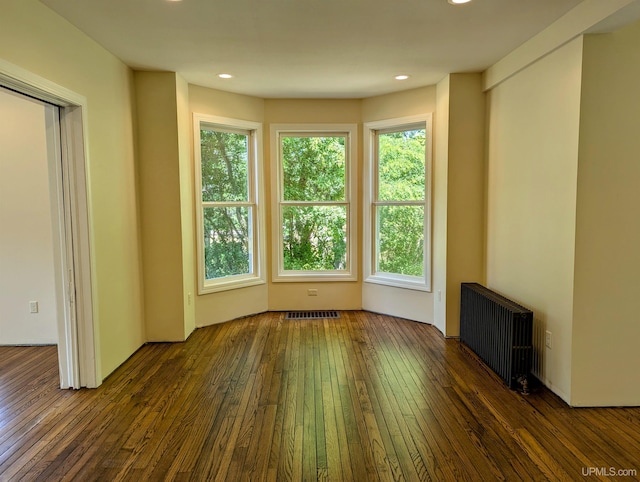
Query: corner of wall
466, 190
605, 308
440, 195
458, 196
160, 152
187, 195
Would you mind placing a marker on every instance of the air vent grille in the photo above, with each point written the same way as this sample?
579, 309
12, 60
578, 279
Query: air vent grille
311, 315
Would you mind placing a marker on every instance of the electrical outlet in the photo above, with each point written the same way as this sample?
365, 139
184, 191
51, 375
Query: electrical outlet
189, 298
312, 292
33, 306
547, 339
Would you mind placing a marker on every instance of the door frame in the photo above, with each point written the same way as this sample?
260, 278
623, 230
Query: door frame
78, 344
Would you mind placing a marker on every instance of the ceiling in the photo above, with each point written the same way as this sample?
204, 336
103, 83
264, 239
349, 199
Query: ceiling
311, 48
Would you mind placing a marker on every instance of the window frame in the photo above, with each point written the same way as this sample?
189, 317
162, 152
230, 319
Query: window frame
255, 201
349, 131
371, 202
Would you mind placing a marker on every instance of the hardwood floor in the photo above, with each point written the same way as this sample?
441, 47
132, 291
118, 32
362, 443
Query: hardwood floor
363, 398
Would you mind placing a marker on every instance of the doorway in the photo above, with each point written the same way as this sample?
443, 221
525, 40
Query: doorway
28, 301
69, 232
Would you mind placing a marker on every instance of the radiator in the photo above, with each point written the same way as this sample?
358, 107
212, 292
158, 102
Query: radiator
499, 331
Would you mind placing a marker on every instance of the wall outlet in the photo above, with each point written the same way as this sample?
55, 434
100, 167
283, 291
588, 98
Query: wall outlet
439, 295
33, 306
547, 339
189, 298
312, 292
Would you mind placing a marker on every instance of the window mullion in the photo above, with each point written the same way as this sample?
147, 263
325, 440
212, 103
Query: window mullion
314, 203
399, 203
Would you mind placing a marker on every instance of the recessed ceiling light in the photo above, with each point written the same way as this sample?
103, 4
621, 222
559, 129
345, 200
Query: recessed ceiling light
225, 76
401, 77
458, 2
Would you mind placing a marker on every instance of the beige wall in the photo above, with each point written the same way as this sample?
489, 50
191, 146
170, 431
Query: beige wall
399, 104
34, 38
563, 117
164, 162
411, 304
187, 204
531, 200
465, 192
26, 225
223, 306
417, 305
561, 193
440, 192
606, 326
331, 295
226, 305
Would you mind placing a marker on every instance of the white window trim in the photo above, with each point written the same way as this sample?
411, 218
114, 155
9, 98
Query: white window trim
279, 274
391, 279
256, 179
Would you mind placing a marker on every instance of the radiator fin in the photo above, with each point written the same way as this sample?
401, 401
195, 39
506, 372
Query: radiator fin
498, 330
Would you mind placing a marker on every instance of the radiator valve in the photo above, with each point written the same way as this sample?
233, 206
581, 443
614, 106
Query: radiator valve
524, 384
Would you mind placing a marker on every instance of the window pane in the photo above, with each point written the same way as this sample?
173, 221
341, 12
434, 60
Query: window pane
401, 165
400, 239
225, 162
227, 241
314, 168
314, 237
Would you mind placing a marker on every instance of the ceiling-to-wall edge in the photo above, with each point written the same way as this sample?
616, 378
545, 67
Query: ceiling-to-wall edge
582, 18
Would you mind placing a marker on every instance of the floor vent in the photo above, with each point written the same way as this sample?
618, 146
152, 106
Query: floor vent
311, 315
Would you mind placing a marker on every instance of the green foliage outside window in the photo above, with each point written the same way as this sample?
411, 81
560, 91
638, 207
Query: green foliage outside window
314, 209
314, 172
401, 240
225, 179
401, 178
315, 237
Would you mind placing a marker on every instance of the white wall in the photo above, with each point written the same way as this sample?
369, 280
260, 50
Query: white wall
531, 200
26, 238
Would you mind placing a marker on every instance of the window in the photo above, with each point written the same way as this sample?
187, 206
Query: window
313, 222
397, 193
229, 218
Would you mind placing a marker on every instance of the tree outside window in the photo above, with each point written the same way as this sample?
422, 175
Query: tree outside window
398, 198
225, 192
399, 205
227, 200
314, 216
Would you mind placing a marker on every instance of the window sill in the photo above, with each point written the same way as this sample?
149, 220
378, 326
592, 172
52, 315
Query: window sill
307, 276
411, 283
231, 284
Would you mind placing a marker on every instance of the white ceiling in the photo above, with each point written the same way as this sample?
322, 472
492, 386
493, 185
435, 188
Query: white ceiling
311, 48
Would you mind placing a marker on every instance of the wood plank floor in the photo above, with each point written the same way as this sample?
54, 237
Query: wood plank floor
362, 398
